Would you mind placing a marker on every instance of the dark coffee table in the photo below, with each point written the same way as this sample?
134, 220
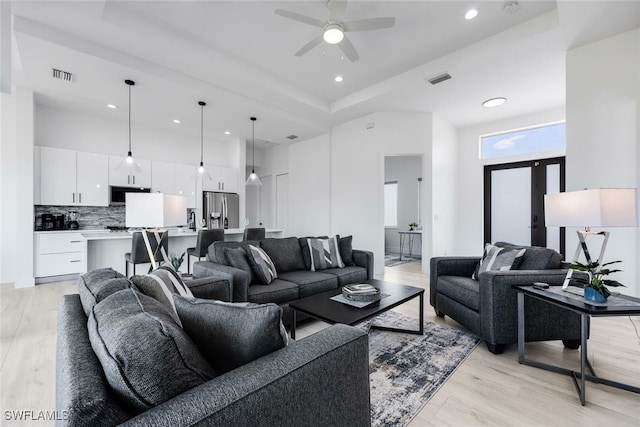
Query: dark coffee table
321, 307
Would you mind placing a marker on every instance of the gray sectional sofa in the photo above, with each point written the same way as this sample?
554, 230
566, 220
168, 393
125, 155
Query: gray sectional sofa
321, 380
295, 280
488, 306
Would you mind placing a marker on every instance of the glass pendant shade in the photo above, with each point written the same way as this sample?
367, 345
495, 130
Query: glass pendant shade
253, 178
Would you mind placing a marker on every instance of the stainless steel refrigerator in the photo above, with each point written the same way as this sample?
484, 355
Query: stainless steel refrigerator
218, 207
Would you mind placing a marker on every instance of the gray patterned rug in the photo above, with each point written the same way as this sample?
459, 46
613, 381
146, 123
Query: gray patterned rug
392, 260
406, 370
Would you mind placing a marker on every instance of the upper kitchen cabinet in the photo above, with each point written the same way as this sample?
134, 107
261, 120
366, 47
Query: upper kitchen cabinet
121, 175
222, 179
162, 177
185, 183
70, 178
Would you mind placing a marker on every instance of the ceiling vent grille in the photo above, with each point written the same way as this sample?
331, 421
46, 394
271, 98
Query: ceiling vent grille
439, 79
61, 75
292, 137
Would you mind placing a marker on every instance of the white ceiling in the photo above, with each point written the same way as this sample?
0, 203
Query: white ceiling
238, 56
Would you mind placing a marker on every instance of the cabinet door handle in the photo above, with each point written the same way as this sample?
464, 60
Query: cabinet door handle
223, 185
74, 197
134, 180
79, 197
128, 179
75, 260
76, 241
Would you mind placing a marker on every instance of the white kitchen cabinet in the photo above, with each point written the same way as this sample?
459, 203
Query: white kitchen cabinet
70, 178
92, 176
163, 177
121, 175
222, 179
59, 253
185, 183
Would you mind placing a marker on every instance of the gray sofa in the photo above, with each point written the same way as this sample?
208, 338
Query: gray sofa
488, 306
295, 280
321, 380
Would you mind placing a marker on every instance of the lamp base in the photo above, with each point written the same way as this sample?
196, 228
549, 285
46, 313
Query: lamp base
582, 247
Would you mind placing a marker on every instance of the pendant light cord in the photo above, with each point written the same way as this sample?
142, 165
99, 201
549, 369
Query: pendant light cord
253, 149
129, 118
201, 133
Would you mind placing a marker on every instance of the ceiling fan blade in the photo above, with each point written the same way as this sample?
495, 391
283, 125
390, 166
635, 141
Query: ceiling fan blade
301, 18
348, 49
307, 47
336, 8
369, 24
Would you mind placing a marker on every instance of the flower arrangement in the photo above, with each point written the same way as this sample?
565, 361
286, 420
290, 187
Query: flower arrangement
176, 261
412, 225
596, 273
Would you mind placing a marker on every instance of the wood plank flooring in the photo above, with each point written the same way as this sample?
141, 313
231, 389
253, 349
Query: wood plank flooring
485, 390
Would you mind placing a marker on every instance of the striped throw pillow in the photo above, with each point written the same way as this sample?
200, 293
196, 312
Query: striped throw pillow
495, 258
262, 265
325, 253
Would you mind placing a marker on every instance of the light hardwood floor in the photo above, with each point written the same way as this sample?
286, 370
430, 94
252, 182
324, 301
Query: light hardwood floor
485, 389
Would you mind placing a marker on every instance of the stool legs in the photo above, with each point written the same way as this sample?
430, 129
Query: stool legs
188, 263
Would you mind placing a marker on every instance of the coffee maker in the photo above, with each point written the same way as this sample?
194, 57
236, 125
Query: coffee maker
73, 221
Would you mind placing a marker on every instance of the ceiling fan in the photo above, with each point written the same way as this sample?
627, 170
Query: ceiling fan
333, 30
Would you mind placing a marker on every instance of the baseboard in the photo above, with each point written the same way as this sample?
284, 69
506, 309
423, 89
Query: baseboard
60, 278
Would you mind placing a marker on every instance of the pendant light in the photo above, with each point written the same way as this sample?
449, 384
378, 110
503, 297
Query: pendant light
201, 167
131, 164
253, 178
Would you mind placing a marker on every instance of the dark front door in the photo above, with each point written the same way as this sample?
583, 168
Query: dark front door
514, 202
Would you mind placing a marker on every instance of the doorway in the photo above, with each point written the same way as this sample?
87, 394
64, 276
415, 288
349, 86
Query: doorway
514, 202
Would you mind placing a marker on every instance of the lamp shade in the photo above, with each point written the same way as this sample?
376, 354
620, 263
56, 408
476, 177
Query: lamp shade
605, 207
147, 210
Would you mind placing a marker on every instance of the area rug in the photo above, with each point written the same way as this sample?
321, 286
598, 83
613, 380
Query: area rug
392, 260
406, 370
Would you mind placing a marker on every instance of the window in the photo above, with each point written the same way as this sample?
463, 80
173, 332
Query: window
524, 141
391, 204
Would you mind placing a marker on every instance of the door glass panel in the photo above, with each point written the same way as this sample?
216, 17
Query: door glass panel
511, 206
553, 186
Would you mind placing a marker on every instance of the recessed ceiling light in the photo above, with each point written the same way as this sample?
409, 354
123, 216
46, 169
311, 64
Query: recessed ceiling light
494, 102
338, 79
471, 13
111, 106
226, 132
176, 121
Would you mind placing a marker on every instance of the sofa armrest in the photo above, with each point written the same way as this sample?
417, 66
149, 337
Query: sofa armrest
212, 287
449, 266
498, 307
320, 380
364, 259
239, 279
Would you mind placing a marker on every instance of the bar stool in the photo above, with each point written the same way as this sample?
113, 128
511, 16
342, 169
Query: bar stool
204, 240
139, 254
253, 234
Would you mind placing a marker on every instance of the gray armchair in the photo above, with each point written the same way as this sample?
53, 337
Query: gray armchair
488, 306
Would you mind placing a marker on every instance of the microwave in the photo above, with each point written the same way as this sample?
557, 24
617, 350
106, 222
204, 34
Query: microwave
117, 194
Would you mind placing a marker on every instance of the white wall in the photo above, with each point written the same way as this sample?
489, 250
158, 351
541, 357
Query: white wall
405, 170
357, 176
444, 182
603, 134
16, 225
470, 171
274, 162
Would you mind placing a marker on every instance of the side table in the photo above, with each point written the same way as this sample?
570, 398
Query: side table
586, 310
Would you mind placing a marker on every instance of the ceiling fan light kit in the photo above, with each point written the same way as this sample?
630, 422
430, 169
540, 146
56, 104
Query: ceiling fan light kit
333, 33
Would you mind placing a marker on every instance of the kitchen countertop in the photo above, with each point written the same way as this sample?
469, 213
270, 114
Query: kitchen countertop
103, 234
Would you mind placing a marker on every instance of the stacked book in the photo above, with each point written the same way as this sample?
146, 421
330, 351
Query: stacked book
361, 292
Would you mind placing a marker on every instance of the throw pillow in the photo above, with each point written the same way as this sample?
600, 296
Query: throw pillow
498, 259
304, 247
96, 285
230, 335
262, 265
325, 253
160, 284
346, 250
146, 357
238, 258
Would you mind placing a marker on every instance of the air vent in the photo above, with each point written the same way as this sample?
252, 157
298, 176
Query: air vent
62, 75
292, 137
439, 79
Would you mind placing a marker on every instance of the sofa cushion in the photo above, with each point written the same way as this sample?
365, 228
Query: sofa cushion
96, 285
146, 357
285, 253
238, 258
495, 258
304, 248
311, 282
325, 253
262, 265
216, 250
346, 250
230, 335
348, 275
465, 290
160, 284
279, 291
536, 257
